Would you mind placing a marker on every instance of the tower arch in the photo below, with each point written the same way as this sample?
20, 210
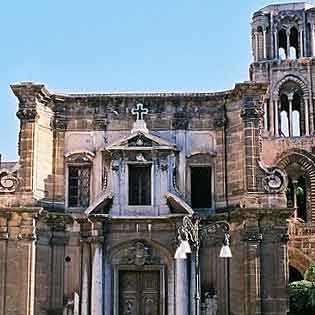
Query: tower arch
300, 167
292, 117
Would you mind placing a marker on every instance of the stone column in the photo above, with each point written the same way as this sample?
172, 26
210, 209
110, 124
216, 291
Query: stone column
181, 287
60, 126
311, 115
254, 46
265, 116
20, 265
312, 41
271, 118
295, 206
274, 264
288, 44
257, 46
252, 272
301, 43
265, 43
276, 45
4, 235
290, 98
85, 285
276, 107
97, 277
306, 118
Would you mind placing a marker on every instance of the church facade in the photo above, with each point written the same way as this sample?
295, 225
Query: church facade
90, 212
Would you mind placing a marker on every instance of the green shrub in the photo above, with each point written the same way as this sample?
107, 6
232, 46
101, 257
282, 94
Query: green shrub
309, 274
302, 297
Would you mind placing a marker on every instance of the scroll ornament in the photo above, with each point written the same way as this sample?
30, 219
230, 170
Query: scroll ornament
8, 182
275, 180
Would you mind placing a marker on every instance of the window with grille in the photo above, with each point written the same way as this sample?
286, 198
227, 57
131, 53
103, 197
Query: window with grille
79, 186
201, 192
139, 185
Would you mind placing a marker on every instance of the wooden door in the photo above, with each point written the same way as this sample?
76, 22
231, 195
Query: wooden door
139, 293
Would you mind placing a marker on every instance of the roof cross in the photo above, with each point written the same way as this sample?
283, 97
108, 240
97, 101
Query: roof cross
139, 111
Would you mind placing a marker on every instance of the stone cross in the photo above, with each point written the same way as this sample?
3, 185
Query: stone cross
139, 111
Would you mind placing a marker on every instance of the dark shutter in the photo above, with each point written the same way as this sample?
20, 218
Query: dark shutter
201, 194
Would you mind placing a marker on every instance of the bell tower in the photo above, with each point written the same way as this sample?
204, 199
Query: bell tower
283, 49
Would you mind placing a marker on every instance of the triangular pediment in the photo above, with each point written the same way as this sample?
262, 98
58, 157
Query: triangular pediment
141, 140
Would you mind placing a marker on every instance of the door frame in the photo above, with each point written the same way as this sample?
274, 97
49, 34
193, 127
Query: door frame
160, 268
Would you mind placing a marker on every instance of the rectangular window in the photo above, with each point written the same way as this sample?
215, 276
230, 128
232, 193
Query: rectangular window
201, 193
139, 185
79, 186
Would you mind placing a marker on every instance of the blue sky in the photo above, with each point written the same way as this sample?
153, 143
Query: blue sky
102, 45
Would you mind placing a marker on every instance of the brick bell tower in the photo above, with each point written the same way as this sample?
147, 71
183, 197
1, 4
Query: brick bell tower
283, 48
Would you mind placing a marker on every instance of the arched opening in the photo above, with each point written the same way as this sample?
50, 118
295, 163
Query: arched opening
294, 274
297, 189
296, 194
291, 111
294, 43
282, 38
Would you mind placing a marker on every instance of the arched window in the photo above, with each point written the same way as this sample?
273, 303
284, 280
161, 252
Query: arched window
294, 43
282, 38
291, 111
296, 194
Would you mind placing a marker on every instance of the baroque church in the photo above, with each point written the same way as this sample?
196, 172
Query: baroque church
108, 187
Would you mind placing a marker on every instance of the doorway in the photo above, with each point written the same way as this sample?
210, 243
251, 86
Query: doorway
139, 292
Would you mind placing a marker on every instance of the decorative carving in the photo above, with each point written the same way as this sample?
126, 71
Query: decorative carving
59, 123
180, 123
164, 166
80, 158
174, 180
139, 255
8, 182
275, 180
140, 157
105, 179
253, 237
140, 141
210, 305
115, 165
219, 123
27, 114
100, 123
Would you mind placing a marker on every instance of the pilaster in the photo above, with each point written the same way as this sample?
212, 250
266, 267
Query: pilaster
251, 114
181, 287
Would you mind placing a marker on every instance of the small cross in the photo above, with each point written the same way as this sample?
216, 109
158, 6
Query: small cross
139, 111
